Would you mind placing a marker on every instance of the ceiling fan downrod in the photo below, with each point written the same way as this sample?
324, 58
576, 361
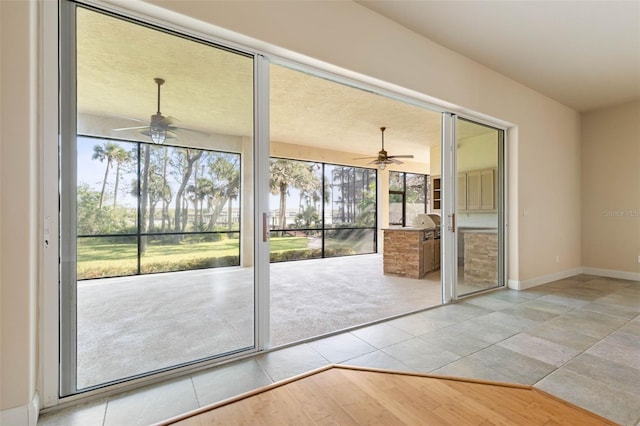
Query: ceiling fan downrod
159, 82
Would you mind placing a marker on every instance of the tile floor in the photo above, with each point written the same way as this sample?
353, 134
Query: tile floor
577, 338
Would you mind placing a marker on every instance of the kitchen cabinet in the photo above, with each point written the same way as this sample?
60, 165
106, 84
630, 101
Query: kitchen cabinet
480, 190
487, 190
476, 190
462, 191
436, 192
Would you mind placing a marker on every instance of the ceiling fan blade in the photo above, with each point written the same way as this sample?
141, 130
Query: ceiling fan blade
376, 161
394, 161
364, 158
131, 128
167, 121
184, 129
400, 156
124, 117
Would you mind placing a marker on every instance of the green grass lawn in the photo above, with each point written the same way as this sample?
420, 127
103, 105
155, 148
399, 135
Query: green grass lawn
116, 259
287, 243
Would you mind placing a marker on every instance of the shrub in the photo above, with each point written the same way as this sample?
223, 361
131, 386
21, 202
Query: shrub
284, 256
127, 268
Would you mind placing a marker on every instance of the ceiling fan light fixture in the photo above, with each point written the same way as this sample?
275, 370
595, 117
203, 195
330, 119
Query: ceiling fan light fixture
157, 131
160, 128
158, 136
383, 158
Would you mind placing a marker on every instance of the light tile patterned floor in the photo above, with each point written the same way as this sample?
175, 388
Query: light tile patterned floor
577, 338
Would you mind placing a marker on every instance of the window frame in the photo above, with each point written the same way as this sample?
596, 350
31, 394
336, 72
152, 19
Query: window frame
139, 146
403, 194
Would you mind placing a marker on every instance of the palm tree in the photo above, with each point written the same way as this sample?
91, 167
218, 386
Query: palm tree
223, 184
103, 152
120, 157
290, 173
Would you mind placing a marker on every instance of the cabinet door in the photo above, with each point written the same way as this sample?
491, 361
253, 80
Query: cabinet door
462, 191
487, 190
428, 257
474, 186
435, 192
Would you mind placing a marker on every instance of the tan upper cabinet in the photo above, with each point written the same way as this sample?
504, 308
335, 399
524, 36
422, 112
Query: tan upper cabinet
487, 190
480, 190
462, 191
476, 190
473, 190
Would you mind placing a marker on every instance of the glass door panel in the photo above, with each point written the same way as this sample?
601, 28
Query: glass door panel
157, 210
477, 207
332, 200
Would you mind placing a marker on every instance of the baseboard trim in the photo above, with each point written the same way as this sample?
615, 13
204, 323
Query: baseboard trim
611, 273
533, 282
24, 415
608, 273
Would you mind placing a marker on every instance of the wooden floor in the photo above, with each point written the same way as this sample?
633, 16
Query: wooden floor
339, 395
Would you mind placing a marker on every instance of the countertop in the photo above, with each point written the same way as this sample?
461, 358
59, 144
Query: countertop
478, 230
408, 229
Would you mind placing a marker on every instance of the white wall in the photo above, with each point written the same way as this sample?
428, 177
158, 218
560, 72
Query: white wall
18, 213
611, 190
545, 156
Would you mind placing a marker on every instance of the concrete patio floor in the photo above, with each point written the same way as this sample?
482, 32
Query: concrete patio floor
133, 325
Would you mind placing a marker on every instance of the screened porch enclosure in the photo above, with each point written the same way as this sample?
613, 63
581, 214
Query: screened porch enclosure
321, 210
145, 208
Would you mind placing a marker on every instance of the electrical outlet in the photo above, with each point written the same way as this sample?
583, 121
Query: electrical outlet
638, 259
557, 258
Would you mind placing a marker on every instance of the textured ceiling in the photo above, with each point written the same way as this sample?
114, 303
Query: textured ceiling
584, 54
211, 90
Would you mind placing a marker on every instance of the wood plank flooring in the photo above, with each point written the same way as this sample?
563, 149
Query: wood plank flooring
339, 395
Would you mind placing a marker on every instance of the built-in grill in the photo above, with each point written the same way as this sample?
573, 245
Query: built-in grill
436, 219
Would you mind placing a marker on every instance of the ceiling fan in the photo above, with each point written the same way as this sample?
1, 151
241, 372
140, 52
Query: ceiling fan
160, 128
383, 158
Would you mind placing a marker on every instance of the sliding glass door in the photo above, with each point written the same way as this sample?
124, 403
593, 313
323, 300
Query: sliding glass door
157, 209
478, 204
171, 147
473, 194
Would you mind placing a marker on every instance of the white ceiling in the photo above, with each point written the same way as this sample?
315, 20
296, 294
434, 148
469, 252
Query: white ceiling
584, 54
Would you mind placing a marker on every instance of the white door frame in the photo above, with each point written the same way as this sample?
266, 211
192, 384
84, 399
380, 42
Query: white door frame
60, 353
449, 182
49, 353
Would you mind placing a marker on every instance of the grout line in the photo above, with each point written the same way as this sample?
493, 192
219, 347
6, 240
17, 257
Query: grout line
195, 391
104, 415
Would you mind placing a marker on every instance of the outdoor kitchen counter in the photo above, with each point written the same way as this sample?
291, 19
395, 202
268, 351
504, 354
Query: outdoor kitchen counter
409, 252
480, 248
